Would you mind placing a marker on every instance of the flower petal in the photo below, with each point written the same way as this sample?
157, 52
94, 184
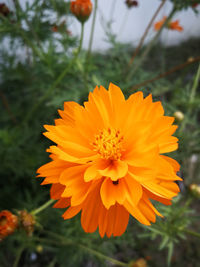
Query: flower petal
112, 193
115, 170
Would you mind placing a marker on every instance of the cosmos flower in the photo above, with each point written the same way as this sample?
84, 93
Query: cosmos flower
81, 9
172, 25
109, 160
8, 223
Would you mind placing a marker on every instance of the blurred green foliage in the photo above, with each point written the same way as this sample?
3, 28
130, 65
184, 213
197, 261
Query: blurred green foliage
36, 48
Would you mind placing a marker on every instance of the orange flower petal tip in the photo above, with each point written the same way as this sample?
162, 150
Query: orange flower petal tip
108, 160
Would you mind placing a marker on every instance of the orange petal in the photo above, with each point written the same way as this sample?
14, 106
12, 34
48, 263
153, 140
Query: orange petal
62, 203
56, 191
71, 212
121, 220
90, 212
69, 175
134, 190
115, 170
112, 193
136, 213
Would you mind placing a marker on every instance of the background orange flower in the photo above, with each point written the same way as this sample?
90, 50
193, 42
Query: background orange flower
8, 223
172, 25
109, 162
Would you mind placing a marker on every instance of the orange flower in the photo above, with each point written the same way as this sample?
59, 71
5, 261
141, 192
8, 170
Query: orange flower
81, 9
159, 24
172, 25
8, 223
109, 160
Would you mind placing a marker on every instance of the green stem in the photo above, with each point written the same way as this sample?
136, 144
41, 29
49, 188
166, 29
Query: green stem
192, 233
92, 30
195, 85
87, 60
66, 242
124, 21
17, 259
57, 81
44, 206
81, 39
192, 96
146, 32
150, 45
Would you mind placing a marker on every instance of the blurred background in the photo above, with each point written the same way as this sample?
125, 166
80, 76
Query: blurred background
44, 63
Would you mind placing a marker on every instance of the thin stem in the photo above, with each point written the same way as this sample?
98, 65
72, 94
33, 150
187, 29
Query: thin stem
17, 259
44, 206
192, 95
92, 30
90, 45
192, 233
100, 255
150, 45
195, 85
125, 18
145, 33
81, 39
164, 74
112, 10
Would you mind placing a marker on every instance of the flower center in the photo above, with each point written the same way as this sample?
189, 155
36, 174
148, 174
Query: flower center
108, 143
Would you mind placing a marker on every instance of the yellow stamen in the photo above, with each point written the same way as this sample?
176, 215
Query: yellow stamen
108, 143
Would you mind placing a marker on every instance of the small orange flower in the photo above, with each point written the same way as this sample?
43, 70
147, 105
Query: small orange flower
172, 25
8, 223
81, 9
159, 24
109, 160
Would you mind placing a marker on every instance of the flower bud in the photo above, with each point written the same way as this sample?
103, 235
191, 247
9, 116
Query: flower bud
179, 116
8, 223
195, 190
27, 221
39, 249
81, 9
138, 263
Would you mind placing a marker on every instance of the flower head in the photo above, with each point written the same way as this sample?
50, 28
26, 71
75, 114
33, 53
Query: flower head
81, 9
8, 223
109, 160
172, 25
131, 3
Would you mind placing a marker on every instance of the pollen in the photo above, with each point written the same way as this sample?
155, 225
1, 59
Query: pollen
108, 143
